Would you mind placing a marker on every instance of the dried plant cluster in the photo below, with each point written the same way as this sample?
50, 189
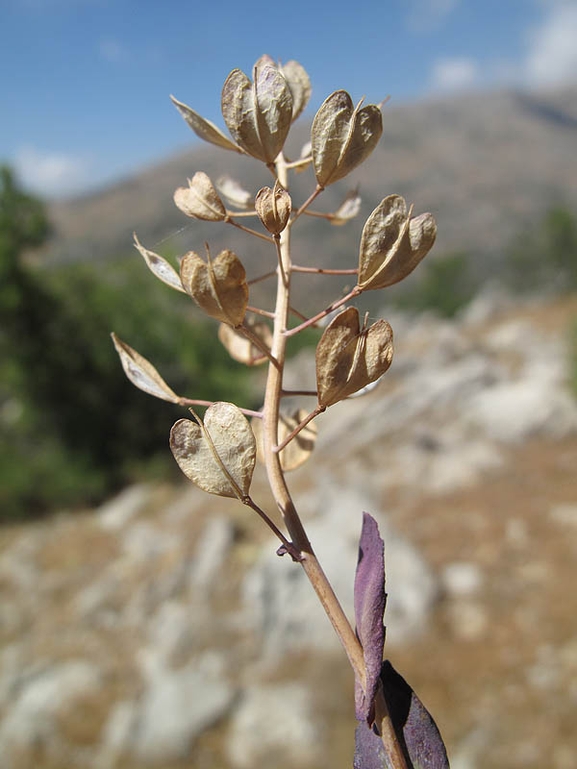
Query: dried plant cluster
218, 452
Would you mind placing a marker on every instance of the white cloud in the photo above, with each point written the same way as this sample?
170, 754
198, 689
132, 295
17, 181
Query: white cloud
51, 173
454, 74
552, 55
427, 15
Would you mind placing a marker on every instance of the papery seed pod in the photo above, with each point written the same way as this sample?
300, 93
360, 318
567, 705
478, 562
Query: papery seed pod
234, 193
273, 207
299, 84
349, 357
241, 348
258, 114
342, 136
158, 265
200, 199
347, 210
393, 243
218, 454
142, 373
219, 287
203, 128
299, 449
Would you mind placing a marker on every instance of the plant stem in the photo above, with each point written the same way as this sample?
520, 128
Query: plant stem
271, 413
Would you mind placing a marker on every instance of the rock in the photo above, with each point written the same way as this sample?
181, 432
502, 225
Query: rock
462, 579
31, 719
178, 705
117, 735
271, 722
210, 552
117, 512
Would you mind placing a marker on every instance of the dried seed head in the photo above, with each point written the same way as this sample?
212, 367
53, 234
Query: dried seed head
273, 207
219, 287
342, 136
258, 114
393, 243
218, 455
200, 199
240, 348
348, 358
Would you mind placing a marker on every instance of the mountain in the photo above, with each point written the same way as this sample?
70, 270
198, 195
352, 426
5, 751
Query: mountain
486, 164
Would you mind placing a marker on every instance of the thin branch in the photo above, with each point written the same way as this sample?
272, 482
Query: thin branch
301, 162
324, 271
258, 311
314, 195
290, 548
196, 402
260, 278
334, 306
257, 234
301, 426
257, 342
291, 393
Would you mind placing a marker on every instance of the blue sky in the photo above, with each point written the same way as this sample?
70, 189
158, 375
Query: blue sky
85, 83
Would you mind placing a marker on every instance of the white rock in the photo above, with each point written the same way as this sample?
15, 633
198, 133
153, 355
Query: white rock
31, 718
272, 722
462, 578
177, 706
210, 553
117, 512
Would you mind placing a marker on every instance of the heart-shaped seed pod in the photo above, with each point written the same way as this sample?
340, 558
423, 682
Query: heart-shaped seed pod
200, 200
218, 454
393, 243
218, 287
258, 114
349, 357
241, 348
342, 136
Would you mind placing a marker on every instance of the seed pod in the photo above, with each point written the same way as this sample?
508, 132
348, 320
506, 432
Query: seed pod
219, 287
240, 348
348, 358
218, 455
203, 128
163, 270
236, 195
347, 210
200, 199
393, 243
258, 114
273, 207
142, 373
342, 136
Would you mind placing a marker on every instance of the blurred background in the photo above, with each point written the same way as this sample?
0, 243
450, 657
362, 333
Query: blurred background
144, 623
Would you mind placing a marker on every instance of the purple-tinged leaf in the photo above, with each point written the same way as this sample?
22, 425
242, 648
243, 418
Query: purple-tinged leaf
416, 730
370, 600
369, 749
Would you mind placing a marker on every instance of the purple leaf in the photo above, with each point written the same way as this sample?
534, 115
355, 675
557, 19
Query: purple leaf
415, 728
417, 733
369, 750
370, 599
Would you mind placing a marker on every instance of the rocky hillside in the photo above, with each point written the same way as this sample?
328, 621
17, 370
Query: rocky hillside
486, 165
162, 630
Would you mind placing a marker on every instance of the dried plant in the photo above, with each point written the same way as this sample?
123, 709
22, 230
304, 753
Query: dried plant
218, 452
